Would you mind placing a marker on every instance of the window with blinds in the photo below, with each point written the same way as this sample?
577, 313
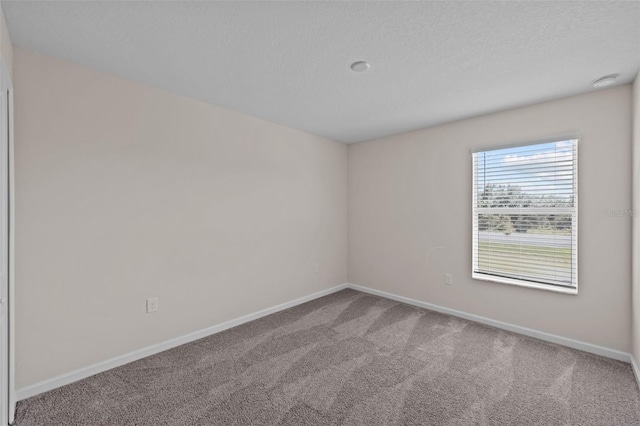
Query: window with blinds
525, 215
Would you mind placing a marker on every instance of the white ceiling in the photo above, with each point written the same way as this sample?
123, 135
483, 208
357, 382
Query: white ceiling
288, 62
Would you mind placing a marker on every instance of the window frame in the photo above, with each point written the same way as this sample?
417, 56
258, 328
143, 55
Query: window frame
476, 211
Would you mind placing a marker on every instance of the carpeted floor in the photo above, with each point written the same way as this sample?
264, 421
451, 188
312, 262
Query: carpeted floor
354, 359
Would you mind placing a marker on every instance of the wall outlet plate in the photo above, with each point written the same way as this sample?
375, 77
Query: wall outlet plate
152, 304
448, 279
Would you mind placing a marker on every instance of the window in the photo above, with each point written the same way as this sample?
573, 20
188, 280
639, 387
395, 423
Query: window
525, 215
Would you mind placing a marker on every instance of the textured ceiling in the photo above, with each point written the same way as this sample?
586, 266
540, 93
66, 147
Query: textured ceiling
288, 62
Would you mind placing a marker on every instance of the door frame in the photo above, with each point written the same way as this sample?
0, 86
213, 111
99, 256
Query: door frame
9, 393
11, 253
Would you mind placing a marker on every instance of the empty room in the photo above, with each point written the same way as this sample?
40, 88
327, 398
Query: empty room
319, 213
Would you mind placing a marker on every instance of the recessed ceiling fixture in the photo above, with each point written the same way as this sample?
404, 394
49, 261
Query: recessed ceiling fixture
360, 66
607, 80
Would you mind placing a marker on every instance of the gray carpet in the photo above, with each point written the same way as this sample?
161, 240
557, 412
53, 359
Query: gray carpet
352, 359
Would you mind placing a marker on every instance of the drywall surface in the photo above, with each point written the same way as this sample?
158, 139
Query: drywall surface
410, 217
6, 49
635, 304
124, 192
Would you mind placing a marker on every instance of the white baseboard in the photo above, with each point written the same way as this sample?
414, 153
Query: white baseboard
79, 374
82, 373
575, 344
635, 368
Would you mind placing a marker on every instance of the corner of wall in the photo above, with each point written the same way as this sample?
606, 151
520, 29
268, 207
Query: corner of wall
635, 242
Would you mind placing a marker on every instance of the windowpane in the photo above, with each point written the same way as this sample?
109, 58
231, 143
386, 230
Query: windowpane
525, 214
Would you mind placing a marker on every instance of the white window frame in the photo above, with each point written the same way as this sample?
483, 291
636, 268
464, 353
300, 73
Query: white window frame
476, 274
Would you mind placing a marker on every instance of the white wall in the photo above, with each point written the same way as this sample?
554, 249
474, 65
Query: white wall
410, 217
635, 306
6, 49
125, 192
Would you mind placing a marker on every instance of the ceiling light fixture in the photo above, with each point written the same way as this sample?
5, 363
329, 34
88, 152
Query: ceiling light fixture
360, 66
605, 81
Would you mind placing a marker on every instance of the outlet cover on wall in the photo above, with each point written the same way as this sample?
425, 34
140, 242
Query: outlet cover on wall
448, 279
152, 304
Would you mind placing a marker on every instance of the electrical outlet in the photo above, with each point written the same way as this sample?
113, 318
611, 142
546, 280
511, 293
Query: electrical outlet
448, 279
152, 304
316, 268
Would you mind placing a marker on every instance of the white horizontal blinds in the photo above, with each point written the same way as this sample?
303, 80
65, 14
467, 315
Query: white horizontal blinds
525, 213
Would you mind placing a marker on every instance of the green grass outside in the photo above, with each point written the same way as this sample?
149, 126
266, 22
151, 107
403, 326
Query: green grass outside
523, 259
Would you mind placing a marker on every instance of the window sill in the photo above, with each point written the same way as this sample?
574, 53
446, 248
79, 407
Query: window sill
547, 287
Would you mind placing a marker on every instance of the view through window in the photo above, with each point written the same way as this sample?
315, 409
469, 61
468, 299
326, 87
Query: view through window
525, 216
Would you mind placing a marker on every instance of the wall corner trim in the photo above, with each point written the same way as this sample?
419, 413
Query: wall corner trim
635, 368
547, 337
83, 373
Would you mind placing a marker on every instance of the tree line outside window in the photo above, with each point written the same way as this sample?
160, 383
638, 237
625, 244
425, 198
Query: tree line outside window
512, 196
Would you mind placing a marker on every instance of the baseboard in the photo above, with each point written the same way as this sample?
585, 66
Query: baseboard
636, 369
575, 344
82, 373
